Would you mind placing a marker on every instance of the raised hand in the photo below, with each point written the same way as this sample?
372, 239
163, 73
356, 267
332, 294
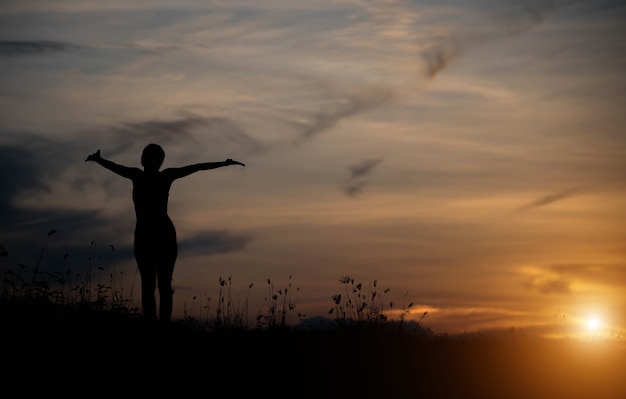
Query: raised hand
93, 157
231, 162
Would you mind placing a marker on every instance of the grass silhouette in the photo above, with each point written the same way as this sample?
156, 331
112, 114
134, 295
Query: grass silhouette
61, 327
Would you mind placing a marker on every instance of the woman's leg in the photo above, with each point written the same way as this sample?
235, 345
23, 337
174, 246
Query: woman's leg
148, 285
165, 272
168, 253
146, 262
156, 250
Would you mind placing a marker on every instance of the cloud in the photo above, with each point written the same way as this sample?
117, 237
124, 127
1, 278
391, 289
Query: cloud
439, 56
549, 199
363, 168
202, 243
503, 22
552, 286
353, 190
607, 274
523, 14
39, 168
506, 22
149, 47
30, 165
17, 48
341, 107
191, 130
358, 172
18, 172
560, 278
214, 242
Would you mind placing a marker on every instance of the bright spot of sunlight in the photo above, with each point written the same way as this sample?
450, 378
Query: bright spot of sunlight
593, 324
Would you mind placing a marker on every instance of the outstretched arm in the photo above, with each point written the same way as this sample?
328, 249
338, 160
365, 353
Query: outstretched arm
121, 170
177, 173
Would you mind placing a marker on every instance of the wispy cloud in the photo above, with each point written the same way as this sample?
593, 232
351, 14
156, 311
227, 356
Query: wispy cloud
30, 47
549, 199
214, 242
503, 22
148, 47
29, 166
30, 162
606, 274
363, 168
190, 130
558, 286
354, 189
358, 173
342, 107
561, 279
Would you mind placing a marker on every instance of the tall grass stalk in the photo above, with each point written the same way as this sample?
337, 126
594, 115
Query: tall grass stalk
359, 304
63, 286
278, 306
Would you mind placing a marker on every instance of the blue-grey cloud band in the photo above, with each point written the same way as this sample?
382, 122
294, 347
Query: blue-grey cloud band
30, 47
30, 164
214, 242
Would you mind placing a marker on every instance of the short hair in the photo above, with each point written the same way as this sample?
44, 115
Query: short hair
152, 157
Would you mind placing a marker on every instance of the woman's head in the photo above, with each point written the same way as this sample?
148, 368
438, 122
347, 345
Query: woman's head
152, 157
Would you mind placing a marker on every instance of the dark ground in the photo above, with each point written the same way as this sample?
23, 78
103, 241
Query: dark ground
49, 350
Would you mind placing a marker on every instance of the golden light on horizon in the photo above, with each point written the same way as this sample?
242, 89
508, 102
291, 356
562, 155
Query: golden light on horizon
593, 324
596, 324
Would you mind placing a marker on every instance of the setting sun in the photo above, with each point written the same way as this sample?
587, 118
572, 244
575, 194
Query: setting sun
593, 323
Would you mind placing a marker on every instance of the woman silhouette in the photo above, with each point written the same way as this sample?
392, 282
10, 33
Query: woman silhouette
155, 243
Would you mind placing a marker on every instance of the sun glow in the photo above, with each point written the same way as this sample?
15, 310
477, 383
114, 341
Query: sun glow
593, 324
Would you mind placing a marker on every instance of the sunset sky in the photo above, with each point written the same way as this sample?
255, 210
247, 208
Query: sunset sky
470, 155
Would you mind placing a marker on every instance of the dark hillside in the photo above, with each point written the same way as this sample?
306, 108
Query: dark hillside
48, 346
